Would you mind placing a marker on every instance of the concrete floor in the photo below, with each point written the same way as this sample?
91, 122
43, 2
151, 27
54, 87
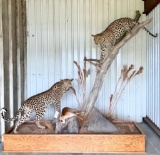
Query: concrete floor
152, 144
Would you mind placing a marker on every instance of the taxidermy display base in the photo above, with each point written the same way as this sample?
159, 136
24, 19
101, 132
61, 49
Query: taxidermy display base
130, 139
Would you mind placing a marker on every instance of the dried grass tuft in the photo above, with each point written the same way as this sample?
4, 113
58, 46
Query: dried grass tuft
82, 75
127, 73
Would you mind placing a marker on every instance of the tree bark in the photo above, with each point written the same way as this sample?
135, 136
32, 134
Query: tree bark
138, 15
109, 59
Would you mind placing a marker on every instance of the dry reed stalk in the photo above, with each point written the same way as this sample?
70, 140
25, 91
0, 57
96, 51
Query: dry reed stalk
74, 92
84, 84
140, 70
82, 74
125, 77
105, 66
121, 81
110, 105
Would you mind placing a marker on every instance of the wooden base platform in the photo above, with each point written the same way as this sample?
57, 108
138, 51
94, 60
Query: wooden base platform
75, 143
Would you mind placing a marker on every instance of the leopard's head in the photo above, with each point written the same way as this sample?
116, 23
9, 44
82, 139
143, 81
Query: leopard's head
97, 38
67, 84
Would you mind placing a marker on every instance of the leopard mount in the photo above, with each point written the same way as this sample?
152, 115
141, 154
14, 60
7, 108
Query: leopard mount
86, 143
100, 76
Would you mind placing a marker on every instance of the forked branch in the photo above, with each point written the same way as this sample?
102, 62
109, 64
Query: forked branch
109, 59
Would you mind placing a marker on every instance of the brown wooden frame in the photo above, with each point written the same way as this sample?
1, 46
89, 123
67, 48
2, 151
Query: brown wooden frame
152, 125
149, 5
75, 143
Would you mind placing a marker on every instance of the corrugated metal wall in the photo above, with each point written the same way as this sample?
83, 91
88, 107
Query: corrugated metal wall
59, 32
1, 70
153, 69
11, 58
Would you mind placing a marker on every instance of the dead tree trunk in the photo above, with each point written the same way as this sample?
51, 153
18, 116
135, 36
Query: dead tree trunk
109, 59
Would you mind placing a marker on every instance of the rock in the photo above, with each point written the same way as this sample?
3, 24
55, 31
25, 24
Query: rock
71, 125
97, 123
31, 128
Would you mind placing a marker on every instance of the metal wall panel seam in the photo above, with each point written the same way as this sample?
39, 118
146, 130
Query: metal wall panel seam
157, 108
158, 17
2, 123
19, 84
35, 39
155, 69
153, 108
158, 68
10, 60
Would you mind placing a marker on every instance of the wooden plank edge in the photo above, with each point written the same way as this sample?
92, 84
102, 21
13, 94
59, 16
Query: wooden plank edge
152, 125
150, 8
123, 122
9, 130
126, 122
139, 129
10, 135
73, 135
129, 152
65, 135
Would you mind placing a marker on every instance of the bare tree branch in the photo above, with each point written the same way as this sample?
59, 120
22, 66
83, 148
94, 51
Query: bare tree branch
109, 59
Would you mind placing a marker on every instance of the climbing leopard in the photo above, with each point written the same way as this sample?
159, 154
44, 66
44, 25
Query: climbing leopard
39, 103
108, 38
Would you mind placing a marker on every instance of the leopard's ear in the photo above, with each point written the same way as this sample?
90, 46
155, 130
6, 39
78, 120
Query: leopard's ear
72, 79
93, 35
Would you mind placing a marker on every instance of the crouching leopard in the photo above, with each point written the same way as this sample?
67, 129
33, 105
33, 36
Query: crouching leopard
39, 103
108, 38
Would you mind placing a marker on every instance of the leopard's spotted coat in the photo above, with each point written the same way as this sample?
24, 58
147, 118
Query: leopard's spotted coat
113, 32
39, 103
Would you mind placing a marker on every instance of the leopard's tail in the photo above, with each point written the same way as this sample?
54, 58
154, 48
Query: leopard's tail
150, 32
3, 110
